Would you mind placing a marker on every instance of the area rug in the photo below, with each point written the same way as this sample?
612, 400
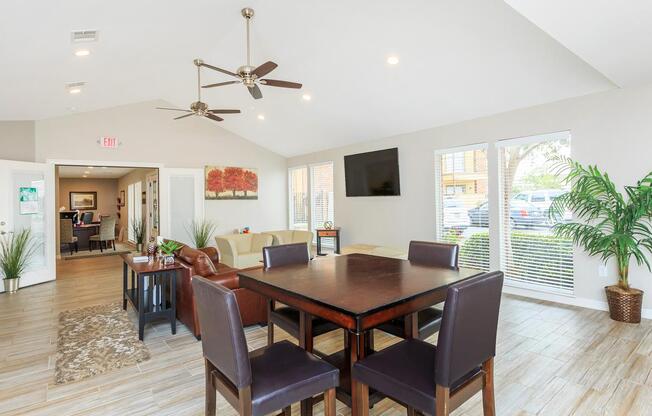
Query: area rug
95, 340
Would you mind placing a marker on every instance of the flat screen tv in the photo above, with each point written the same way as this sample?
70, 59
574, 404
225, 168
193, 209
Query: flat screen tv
372, 173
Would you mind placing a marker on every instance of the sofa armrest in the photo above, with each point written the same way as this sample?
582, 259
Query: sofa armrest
212, 253
226, 247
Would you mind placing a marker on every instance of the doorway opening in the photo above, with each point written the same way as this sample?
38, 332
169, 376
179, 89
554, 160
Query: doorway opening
105, 210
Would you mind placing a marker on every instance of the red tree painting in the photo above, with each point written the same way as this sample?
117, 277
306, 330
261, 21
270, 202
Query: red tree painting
231, 183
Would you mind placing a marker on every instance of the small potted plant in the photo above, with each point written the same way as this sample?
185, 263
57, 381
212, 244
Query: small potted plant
139, 234
167, 250
612, 225
16, 249
201, 232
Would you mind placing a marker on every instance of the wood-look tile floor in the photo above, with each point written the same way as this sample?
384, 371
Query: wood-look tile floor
552, 359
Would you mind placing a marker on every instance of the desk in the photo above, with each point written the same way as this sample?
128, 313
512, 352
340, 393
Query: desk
83, 233
152, 292
357, 292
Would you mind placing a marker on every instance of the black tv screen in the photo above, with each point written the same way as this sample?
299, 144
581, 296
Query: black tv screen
372, 173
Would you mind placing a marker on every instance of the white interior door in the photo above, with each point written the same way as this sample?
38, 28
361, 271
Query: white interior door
182, 201
34, 184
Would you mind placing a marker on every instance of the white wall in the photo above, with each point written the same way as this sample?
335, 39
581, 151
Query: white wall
612, 129
17, 140
150, 135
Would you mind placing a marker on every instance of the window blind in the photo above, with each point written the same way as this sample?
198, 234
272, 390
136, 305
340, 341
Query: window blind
298, 194
321, 194
461, 203
531, 254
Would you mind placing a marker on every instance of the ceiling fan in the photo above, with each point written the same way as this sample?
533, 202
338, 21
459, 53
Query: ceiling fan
251, 76
199, 108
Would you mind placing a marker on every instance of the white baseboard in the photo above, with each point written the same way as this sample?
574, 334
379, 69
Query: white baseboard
567, 300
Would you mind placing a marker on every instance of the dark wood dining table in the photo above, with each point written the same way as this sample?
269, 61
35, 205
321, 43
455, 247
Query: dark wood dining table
357, 292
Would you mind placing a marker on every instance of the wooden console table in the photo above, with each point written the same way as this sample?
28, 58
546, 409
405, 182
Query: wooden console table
152, 292
328, 233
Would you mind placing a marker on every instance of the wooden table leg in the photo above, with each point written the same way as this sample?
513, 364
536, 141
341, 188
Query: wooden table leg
412, 325
356, 353
173, 301
125, 274
305, 342
141, 306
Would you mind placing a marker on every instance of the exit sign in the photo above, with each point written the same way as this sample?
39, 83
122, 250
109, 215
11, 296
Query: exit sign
109, 142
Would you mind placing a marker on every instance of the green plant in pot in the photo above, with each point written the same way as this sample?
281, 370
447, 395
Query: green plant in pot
610, 225
138, 228
201, 232
16, 250
168, 249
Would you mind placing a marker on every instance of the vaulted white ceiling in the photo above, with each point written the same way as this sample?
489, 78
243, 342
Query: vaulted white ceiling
459, 59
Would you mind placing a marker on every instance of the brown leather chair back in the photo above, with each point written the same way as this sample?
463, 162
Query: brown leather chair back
467, 337
285, 254
222, 336
199, 260
434, 254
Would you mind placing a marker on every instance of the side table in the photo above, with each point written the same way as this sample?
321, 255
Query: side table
328, 233
152, 292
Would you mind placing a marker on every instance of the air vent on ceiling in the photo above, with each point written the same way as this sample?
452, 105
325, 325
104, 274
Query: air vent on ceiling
79, 84
79, 36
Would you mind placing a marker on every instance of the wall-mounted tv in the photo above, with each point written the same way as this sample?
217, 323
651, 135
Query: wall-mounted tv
372, 174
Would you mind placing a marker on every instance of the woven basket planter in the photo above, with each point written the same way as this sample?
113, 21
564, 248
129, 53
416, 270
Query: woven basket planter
624, 305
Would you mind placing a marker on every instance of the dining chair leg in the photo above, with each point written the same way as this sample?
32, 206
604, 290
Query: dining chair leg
211, 403
244, 396
412, 412
488, 399
287, 411
442, 400
363, 398
329, 402
101, 250
113, 244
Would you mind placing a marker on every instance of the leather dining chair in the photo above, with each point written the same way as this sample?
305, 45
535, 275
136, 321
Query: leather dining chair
435, 380
430, 254
286, 317
258, 382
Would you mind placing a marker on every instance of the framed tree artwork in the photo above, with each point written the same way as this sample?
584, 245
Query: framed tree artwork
223, 182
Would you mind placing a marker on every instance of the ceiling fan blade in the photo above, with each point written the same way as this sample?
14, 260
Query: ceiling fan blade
173, 109
213, 117
282, 84
264, 69
184, 116
224, 111
219, 84
224, 71
255, 92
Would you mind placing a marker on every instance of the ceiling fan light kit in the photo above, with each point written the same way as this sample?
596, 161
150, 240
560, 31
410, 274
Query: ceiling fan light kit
249, 75
199, 108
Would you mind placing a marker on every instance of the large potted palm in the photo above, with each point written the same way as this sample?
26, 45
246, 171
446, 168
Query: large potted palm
610, 225
16, 250
201, 232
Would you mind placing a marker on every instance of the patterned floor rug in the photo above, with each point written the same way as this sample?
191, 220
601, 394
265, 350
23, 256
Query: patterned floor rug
95, 340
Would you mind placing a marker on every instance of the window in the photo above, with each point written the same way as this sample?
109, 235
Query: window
311, 196
134, 208
298, 192
531, 255
454, 162
461, 206
321, 194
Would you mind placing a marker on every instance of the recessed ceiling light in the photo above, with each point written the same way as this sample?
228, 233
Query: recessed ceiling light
261, 116
306, 97
84, 176
86, 172
75, 90
90, 167
82, 52
392, 60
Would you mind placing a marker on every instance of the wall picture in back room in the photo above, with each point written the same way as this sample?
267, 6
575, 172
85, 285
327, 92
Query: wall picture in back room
230, 183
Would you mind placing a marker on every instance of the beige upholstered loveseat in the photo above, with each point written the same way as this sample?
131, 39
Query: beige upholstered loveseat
242, 250
292, 236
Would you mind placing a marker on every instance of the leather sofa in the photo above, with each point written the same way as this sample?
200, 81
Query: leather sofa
206, 263
243, 251
292, 236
